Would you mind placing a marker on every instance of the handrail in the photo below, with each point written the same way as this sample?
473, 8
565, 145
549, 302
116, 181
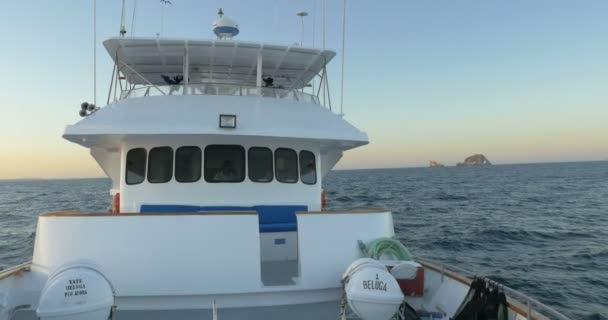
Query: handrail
510, 292
142, 77
367, 210
15, 270
76, 214
220, 89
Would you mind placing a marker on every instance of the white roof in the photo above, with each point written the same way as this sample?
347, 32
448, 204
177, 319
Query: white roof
198, 115
216, 61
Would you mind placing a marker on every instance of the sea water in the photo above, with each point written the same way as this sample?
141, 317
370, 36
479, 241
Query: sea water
539, 228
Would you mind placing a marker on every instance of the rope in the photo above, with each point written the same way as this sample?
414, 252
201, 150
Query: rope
383, 247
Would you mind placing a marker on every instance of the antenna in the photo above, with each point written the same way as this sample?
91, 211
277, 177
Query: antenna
162, 15
122, 20
224, 27
302, 14
133, 18
314, 22
95, 52
343, 46
323, 4
324, 78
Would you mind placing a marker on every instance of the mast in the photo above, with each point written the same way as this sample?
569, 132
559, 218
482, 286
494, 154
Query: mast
302, 14
343, 48
324, 78
123, 30
133, 18
95, 52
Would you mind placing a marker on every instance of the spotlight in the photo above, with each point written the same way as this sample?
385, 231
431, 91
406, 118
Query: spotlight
82, 113
228, 121
91, 107
84, 106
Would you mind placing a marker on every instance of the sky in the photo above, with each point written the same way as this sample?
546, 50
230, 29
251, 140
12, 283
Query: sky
520, 81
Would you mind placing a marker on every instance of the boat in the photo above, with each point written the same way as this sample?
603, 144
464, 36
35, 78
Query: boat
217, 150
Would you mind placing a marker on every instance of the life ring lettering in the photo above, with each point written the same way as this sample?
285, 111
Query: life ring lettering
377, 284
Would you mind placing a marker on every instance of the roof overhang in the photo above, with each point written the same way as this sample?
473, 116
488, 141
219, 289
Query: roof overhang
198, 116
144, 60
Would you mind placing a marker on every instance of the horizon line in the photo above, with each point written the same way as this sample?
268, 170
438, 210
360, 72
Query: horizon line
352, 169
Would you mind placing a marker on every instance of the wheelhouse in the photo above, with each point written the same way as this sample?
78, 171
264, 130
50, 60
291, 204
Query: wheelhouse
220, 126
218, 173
220, 123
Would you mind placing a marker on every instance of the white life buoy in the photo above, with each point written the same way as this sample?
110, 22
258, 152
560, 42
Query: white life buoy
371, 291
76, 292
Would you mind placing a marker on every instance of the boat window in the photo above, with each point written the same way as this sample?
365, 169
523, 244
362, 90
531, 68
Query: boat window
136, 166
286, 165
160, 165
308, 168
260, 164
224, 163
188, 164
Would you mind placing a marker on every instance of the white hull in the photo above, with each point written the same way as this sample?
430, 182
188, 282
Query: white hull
159, 263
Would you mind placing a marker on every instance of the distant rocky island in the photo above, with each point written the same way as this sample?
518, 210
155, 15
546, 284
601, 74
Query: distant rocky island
435, 164
475, 160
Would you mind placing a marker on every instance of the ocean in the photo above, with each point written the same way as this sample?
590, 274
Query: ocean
538, 228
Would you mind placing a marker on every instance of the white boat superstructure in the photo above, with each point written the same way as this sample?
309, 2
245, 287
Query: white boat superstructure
217, 150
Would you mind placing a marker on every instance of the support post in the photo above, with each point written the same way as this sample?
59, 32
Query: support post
112, 81
258, 80
186, 65
186, 72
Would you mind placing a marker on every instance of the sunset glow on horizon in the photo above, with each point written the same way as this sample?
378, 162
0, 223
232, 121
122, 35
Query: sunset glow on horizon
518, 81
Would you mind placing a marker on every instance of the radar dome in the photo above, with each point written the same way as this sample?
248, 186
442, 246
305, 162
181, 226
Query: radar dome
224, 27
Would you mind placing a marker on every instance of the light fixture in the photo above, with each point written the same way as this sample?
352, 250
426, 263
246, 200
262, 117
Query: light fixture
228, 121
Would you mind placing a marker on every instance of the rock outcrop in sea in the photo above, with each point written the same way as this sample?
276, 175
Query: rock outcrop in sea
435, 164
475, 160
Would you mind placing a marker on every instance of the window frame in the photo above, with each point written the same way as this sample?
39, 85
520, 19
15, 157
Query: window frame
175, 164
297, 165
243, 167
144, 177
314, 157
172, 165
272, 174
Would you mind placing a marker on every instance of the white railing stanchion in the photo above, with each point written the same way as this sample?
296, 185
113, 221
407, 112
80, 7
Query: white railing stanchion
142, 77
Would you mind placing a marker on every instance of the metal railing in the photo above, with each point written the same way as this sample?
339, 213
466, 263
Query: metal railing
15, 270
527, 306
218, 89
